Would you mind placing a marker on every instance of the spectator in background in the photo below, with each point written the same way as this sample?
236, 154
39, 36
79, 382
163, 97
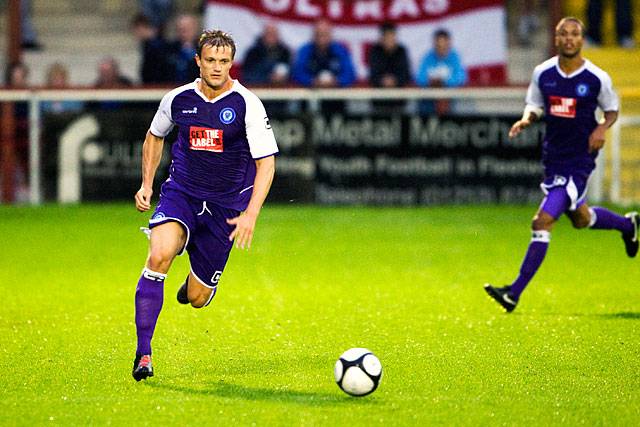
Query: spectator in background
624, 23
156, 64
184, 49
58, 78
323, 62
17, 77
388, 60
528, 22
388, 66
441, 67
268, 60
29, 36
157, 13
109, 76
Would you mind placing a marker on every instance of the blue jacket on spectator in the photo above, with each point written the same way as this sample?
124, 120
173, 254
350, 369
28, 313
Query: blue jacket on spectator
310, 62
447, 70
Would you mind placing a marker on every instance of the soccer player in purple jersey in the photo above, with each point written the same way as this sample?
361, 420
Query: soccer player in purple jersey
221, 171
566, 90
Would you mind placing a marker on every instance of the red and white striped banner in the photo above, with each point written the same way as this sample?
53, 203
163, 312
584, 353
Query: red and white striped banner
478, 27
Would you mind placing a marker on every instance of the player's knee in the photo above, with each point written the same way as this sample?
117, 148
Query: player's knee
580, 222
202, 299
542, 222
199, 302
159, 260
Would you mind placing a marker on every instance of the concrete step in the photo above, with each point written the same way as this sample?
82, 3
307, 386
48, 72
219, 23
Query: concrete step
80, 25
82, 68
521, 62
522, 59
115, 44
49, 7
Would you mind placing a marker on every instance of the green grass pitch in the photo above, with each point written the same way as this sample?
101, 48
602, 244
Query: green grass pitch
405, 283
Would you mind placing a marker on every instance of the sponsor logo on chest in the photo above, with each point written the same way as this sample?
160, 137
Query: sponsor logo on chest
206, 139
561, 106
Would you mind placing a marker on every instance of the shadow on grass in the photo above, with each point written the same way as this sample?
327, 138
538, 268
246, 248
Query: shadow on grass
630, 315
235, 391
621, 315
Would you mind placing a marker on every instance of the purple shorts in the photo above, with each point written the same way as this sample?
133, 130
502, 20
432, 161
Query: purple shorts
207, 231
563, 192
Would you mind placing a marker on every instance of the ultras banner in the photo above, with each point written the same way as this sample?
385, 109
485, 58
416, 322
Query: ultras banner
478, 27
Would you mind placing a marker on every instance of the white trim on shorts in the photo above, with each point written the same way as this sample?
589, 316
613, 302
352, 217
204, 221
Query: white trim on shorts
202, 281
571, 190
582, 197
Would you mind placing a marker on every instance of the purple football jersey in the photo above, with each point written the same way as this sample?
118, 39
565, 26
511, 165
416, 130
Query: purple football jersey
213, 157
570, 103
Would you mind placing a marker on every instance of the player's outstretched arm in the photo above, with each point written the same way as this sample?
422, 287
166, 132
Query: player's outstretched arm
596, 139
246, 222
530, 115
151, 155
518, 127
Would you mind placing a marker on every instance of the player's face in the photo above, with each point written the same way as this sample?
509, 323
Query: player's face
215, 63
569, 39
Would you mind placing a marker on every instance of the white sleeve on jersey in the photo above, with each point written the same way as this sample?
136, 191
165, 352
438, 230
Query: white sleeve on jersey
262, 142
534, 98
162, 122
607, 98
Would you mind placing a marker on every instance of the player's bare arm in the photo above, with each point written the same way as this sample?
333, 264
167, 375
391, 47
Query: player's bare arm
151, 155
596, 139
246, 222
527, 119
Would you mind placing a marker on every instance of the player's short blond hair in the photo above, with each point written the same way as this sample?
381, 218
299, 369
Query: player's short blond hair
570, 19
216, 38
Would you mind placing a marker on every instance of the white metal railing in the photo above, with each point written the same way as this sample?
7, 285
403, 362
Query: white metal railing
498, 99
616, 157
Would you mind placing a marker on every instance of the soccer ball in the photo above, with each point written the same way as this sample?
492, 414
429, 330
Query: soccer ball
358, 372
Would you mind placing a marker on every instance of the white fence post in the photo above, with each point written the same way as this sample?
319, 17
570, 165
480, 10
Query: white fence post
35, 182
69, 153
614, 192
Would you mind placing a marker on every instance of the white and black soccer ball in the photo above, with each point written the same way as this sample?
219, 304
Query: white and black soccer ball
358, 372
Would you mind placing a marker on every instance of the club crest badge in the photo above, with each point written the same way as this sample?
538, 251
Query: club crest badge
227, 115
582, 90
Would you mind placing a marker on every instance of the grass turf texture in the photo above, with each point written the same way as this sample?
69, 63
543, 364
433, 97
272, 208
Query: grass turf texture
406, 283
